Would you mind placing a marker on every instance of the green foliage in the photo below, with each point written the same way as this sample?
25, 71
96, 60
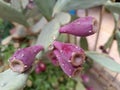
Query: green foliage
62, 38
46, 7
84, 43
6, 51
104, 60
5, 26
80, 86
52, 79
113, 7
11, 14
109, 42
117, 35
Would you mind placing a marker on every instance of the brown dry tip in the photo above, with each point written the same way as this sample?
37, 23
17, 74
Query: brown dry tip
17, 66
77, 59
77, 71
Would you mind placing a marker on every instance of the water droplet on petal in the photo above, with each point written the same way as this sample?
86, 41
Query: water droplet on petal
25, 66
34, 51
69, 60
61, 51
54, 37
22, 55
90, 31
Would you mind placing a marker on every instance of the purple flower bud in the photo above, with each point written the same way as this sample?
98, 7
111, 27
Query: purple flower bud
40, 67
70, 57
23, 59
73, 53
85, 78
83, 26
89, 88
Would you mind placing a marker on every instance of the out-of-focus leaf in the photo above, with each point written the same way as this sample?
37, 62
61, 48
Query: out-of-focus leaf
117, 35
10, 80
46, 7
80, 86
62, 38
113, 7
104, 60
66, 5
39, 25
109, 42
84, 43
49, 33
11, 14
19, 4
63, 18
116, 17
16, 4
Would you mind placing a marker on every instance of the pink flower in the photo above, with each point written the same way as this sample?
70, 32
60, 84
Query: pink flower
83, 26
70, 57
23, 59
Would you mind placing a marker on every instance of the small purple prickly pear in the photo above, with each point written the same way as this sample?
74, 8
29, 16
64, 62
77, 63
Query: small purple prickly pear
23, 59
69, 56
83, 26
73, 53
40, 67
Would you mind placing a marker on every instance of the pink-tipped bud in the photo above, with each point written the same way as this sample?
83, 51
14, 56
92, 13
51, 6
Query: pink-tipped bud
83, 26
23, 59
40, 67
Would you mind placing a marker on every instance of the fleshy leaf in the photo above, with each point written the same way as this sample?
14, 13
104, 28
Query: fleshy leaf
117, 35
62, 38
113, 7
63, 18
66, 5
46, 7
10, 80
80, 86
48, 34
84, 43
104, 60
11, 14
109, 42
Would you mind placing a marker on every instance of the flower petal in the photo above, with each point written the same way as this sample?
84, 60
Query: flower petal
66, 66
